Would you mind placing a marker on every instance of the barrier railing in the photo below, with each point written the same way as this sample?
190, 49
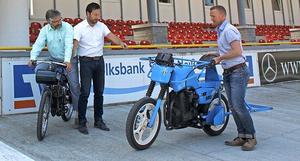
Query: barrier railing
159, 46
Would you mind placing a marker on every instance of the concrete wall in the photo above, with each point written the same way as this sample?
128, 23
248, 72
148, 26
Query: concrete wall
296, 11
166, 12
182, 10
197, 6
111, 9
131, 10
258, 10
40, 7
234, 12
68, 8
14, 23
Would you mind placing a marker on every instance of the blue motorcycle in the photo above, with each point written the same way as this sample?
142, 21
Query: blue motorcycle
193, 98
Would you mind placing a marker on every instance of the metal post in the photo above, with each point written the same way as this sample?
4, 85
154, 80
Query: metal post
158, 16
292, 12
151, 11
230, 16
121, 7
54, 4
241, 11
190, 11
174, 10
274, 19
141, 11
204, 13
78, 8
283, 14
253, 15
264, 14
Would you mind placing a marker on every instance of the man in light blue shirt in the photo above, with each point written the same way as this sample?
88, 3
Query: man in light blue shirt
235, 77
58, 36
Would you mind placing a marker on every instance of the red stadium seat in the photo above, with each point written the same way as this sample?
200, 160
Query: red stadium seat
35, 25
145, 42
187, 42
197, 42
69, 20
32, 38
262, 41
175, 42
77, 21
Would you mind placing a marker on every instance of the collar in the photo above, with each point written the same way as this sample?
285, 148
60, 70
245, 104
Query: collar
85, 22
50, 27
221, 27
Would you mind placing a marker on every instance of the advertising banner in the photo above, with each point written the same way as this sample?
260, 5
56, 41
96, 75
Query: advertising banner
279, 66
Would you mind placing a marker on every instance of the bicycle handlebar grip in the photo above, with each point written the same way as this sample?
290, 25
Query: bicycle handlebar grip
33, 62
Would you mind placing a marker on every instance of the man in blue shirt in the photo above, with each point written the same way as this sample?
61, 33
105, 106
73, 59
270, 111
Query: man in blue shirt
235, 77
58, 36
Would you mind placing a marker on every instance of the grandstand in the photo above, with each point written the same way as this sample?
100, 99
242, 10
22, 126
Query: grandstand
188, 21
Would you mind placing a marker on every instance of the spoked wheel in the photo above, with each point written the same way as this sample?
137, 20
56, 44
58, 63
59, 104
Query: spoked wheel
217, 130
43, 115
68, 108
66, 116
139, 136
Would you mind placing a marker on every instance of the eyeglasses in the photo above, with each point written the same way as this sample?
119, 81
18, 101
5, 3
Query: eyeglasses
56, 20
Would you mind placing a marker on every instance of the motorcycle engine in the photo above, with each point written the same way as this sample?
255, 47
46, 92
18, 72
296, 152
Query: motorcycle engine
182, 108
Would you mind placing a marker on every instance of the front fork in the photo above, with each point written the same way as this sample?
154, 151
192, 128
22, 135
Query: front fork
162, 92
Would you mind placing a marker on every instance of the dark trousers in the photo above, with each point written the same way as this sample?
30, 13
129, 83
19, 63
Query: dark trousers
91, 69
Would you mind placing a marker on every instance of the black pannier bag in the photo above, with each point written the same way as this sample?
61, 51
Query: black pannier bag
46, 77
164, 59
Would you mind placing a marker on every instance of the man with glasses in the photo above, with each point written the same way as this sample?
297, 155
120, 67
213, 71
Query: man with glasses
58, 36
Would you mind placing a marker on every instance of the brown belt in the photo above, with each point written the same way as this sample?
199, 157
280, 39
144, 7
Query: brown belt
231, 69
85, 58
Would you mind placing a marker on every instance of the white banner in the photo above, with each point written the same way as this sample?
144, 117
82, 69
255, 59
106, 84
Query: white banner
125, 80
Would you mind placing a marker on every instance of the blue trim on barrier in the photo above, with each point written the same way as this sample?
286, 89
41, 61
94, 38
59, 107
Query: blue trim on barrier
125, 90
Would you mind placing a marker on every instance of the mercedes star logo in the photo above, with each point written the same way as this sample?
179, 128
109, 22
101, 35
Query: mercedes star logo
269, 67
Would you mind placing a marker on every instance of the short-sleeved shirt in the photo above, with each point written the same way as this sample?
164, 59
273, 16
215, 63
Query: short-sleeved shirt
227, 33
90, 39
59, 42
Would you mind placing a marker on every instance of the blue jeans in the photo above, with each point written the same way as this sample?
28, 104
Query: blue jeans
72, 77
91, 70
235, 84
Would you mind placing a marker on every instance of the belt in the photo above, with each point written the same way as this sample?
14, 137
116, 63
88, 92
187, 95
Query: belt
231, 69
86, 58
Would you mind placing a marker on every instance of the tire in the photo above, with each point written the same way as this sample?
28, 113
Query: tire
43, 114
136, 114
217, 130
66, 116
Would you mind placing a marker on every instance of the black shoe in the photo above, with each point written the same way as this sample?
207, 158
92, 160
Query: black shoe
83, 129
101, 125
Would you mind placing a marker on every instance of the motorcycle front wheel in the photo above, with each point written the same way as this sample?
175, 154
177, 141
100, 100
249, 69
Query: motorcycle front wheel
138, 134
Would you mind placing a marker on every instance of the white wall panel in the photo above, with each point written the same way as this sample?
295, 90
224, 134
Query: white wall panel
182, 11
67, 8
166, 12
131, 10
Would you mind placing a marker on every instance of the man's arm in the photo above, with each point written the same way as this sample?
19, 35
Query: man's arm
235, 51
38, 46
68, 46
116, 40
75, 46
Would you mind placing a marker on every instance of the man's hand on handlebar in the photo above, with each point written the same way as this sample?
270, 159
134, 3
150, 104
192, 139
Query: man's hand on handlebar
68, 66
31, 63
217, 59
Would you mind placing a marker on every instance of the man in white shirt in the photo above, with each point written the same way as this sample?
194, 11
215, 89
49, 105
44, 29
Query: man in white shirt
88, 44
